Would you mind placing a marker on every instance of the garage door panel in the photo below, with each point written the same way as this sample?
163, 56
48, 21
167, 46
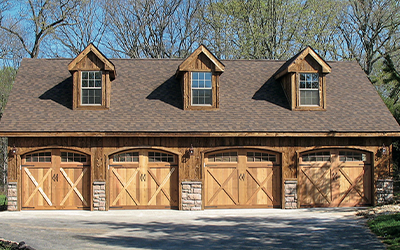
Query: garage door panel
351, 185
222, 186
73, 187
55, 180
316, 185
143, 179
251, 179
259, 184
340, 178
37, 187
124, 186
162, 186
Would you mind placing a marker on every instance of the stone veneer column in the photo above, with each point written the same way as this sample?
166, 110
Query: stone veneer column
191, 196
12, 196
99, 196
384, 191
290, 194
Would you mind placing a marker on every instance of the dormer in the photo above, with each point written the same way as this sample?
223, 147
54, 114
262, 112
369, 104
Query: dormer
199, 77
303, 80
92, 74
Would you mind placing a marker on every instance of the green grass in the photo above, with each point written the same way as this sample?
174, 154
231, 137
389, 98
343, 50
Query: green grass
2, 199
5, 246
387, 227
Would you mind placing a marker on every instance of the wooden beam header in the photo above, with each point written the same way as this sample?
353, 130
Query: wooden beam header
108, 65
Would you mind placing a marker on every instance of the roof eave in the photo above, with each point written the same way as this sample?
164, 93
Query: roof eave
199, 134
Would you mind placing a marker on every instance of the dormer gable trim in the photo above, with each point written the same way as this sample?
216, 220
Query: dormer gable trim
186, 65
292, 64
108, 65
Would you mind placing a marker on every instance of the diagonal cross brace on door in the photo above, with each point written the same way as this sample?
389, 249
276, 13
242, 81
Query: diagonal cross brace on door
73, 186
38, 186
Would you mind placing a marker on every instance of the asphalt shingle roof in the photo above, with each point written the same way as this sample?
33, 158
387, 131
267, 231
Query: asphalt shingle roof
146, 97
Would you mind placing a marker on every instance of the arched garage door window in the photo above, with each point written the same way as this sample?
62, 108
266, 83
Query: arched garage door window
241, 178
335, 177
55, 179
143, 179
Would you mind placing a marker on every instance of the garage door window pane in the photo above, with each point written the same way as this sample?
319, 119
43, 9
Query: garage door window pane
223, 157
351, 156
160, 157
260, 157
127, 157
72, 157
319, 156
39, 157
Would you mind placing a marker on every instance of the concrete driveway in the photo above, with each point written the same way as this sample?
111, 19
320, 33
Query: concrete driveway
170, 229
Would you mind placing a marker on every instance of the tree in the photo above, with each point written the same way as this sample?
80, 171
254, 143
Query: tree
270, 29
369, 29
7, 76
87, 25
387, 81
152, 28
32, 21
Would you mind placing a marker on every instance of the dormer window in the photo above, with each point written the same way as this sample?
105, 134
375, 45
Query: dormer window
92, 74
309, 89
202, 88
303, 79
199, 76
91, 87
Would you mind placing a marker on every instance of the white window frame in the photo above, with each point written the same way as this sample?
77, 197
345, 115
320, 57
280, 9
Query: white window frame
200, 88
309, 89
82, 88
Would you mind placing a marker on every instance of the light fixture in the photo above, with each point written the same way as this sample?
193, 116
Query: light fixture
191, 150
384, 150
13, 151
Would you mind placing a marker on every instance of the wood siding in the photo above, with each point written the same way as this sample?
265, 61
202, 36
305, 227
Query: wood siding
99, 149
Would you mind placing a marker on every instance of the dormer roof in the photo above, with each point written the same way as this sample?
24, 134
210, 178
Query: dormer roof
108, 65
187, 64
291, 65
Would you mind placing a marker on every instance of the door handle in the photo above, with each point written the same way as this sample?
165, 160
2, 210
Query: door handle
335, 176
55, 177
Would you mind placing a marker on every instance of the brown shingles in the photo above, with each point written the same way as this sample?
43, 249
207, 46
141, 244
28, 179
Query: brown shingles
146, 98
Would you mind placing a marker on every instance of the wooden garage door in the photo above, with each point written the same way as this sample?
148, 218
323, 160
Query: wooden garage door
242, 179
143, 179
55, 179
333, 178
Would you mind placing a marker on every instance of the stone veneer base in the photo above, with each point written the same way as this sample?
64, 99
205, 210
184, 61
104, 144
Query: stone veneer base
12, 196
191, 195
290, 194
99, 196
384, 191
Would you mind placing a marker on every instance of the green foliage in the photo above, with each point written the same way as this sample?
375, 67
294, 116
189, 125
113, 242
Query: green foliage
388, 227
386, 78
270, 29
7, 245
3, 199
7, 76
